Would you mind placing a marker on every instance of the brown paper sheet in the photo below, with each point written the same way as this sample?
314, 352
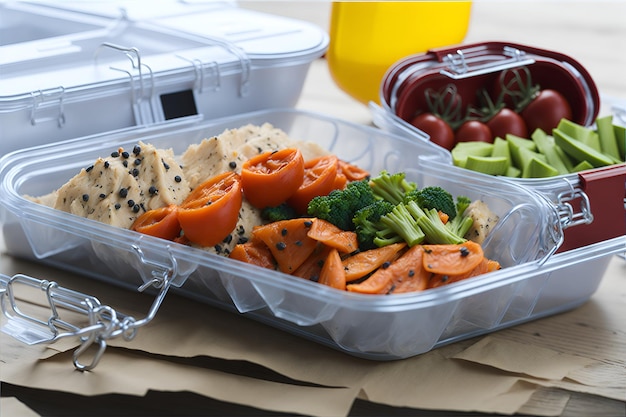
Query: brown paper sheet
190, 331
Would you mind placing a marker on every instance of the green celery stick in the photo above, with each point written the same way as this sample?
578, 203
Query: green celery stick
608, 141
578, 151
545, 145
620, 136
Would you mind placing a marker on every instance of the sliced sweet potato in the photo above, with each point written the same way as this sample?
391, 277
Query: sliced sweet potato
254, 252
362, 263
288, 241
405, 274
312, 266
452, 259
329, 234
332, 273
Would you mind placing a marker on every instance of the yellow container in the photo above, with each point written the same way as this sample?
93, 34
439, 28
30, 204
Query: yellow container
366, 38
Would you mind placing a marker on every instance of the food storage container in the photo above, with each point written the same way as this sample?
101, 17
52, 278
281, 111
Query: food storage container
148, 69
592, 199
533, 282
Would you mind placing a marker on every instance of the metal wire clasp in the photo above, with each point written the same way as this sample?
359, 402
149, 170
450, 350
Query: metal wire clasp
103, 321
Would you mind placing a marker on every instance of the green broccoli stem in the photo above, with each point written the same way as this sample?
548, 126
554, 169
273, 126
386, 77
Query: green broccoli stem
460, 225
386, 236
404, 224
430, 223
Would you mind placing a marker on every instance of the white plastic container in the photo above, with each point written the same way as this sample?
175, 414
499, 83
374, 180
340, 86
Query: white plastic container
532, 284
149, 70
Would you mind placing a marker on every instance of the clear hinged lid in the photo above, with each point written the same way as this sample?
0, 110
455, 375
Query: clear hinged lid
136, 70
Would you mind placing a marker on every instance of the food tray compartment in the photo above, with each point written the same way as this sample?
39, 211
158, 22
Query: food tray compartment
375, 327
137, 73
474, 66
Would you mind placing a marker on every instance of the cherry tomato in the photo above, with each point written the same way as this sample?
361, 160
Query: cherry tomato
319, 179
270, 178
474, 131
439, 131
351, 171
507, 121
546, 111
161, 222
211, 211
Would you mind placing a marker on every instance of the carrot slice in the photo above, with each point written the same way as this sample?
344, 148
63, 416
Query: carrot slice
452, 259
405, 273
362, 263
443, 217
254, 252
288, 241
486, 265
332, 273
329, 234
311, 268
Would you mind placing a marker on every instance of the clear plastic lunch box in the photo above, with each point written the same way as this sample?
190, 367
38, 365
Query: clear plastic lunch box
84, 72
593, 200
534, 282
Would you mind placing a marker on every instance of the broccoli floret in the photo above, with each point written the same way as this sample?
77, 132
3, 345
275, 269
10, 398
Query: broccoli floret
461, 223
339, 206
370, 231
433, 197
391, 187
430, 223
281, 212
462, 203
402, 222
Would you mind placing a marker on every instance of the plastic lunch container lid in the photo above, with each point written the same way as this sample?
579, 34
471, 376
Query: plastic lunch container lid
262, 39
258, 34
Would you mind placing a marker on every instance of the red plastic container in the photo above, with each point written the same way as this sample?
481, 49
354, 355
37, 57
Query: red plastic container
591, 202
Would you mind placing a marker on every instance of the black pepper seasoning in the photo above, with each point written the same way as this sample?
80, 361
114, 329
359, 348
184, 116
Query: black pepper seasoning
281, 246
123, 192
85, 197
178, 178
464, 251
137, 150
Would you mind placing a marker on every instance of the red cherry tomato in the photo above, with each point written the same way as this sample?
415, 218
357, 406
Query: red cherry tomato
474, 131
270, 178
319, 179
507, 121
161, 222
439, 131
546, 111
211, 211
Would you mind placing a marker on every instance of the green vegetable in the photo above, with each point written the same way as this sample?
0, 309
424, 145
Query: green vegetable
433, 197
340, 206
545, 145
620, 136
608, 141
282, 212
461, 151
435, 231
569, 148
461, 223
579, 151
391, 187
402, 222
370, 231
